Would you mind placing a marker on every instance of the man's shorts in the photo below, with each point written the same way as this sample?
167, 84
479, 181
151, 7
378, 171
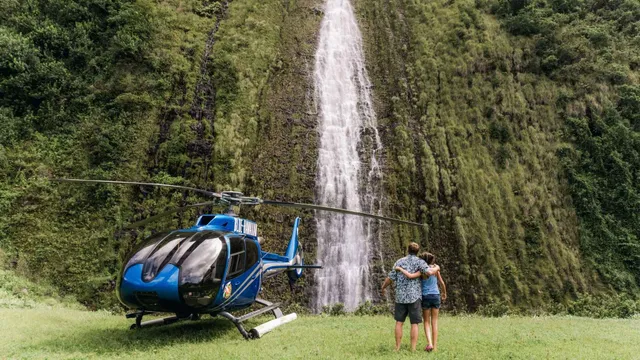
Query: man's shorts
431, 301
411, 309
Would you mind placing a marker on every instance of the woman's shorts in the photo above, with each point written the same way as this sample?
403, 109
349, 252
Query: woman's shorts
431, 301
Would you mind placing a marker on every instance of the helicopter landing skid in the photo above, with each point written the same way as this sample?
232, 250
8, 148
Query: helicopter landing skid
254, 333
164, 321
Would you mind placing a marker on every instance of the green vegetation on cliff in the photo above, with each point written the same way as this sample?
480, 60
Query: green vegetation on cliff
178, 92
485, 106
82, 86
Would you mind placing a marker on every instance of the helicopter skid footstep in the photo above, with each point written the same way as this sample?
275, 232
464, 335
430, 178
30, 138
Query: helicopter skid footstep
155, 322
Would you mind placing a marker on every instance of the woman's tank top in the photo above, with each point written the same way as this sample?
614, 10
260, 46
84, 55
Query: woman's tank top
430, 285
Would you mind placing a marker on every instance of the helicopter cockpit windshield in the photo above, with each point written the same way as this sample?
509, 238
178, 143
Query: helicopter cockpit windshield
202, 266
201, 257
206, 265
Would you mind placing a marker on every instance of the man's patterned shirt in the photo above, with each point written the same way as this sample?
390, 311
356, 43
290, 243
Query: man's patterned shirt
408, 290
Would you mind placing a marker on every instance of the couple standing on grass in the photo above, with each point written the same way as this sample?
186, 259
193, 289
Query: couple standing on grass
417, 279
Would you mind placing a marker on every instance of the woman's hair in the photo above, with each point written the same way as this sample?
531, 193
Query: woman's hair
428, 257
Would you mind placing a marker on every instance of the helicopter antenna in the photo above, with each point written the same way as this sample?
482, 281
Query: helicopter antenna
231, 198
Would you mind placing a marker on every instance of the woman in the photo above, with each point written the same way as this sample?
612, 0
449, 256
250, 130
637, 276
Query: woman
430, 299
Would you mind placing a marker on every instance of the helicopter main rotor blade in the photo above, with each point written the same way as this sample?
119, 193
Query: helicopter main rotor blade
210, 193
338, 210
231, 198
169, 212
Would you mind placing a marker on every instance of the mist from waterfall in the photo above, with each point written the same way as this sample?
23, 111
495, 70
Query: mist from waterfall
348, 173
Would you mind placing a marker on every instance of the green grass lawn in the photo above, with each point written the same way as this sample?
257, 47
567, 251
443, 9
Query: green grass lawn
61, 333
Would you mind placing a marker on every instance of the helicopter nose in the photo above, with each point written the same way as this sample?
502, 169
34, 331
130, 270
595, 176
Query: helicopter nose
158, 294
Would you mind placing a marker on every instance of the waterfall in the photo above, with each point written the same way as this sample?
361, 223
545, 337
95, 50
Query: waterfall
348, 172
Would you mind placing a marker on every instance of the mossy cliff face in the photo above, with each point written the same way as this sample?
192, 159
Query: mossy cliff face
211, 94
473, 123
93, 89
470, 152
282, 160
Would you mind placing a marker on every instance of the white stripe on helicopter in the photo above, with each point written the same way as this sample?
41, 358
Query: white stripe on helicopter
242, 287
279, 265
264, 267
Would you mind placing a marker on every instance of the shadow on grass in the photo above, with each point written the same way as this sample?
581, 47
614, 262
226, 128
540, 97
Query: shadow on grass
123, 340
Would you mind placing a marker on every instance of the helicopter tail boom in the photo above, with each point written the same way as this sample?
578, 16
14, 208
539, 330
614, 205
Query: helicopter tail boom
292, 262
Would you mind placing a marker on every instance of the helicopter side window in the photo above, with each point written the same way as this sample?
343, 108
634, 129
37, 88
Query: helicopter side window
252, 253
237, 257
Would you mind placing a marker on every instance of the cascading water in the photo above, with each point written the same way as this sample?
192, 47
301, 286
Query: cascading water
348, 173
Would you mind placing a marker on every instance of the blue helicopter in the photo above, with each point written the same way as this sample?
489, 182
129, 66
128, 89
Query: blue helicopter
215, 267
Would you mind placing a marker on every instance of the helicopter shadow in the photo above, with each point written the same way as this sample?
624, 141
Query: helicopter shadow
113, 340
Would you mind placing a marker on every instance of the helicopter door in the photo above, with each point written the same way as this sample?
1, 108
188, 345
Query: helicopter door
245, 283
252, 253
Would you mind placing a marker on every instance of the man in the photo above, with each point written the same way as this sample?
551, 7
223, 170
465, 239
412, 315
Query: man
408, 293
